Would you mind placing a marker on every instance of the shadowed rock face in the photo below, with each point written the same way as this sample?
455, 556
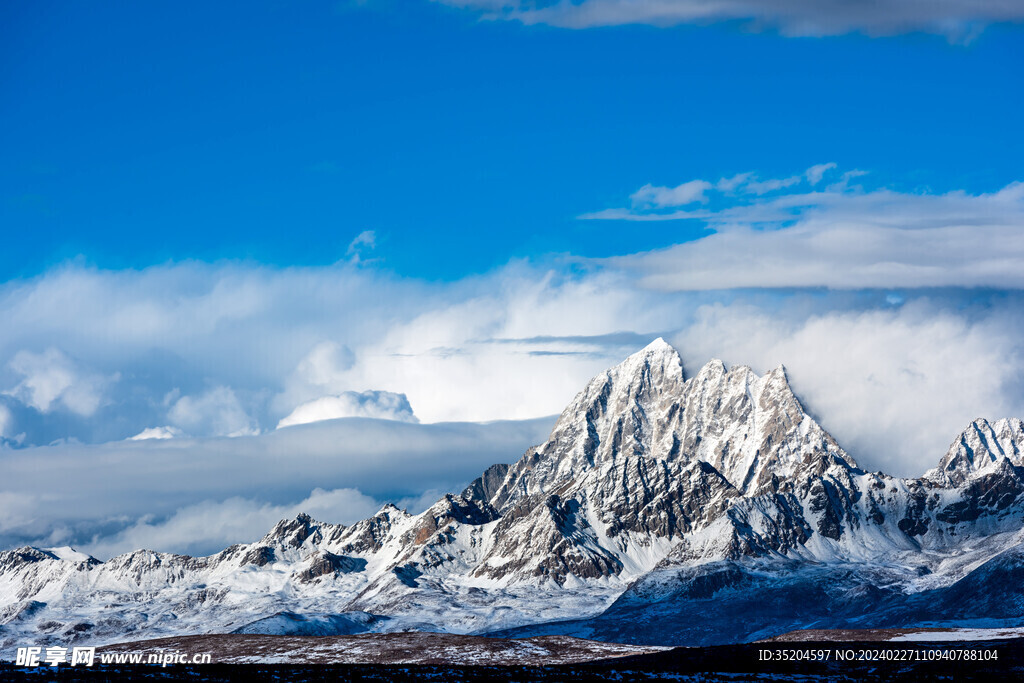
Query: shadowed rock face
450, 510
715, 492
324, 563
486, 485
260, 555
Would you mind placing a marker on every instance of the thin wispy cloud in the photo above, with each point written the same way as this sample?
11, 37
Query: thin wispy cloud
959, 20
653, 197
824, 229
363, 244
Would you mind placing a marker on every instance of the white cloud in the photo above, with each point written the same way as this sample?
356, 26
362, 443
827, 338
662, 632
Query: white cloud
956, 19
324, 364
650, 202
5, 420
363, 243
728, 185
51, 378
772, 184
235, 348
383, 405
188, 327
321, 371
215, 412
447, 362
18, 511
816, 173
893, 386
166, 432
650, 196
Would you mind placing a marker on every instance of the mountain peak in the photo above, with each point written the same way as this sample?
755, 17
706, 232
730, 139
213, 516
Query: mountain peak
713, 368
777, 381
978, 448
659, 345
751, 428
388, 509
291, 532
658, 352
621, 411
655, 369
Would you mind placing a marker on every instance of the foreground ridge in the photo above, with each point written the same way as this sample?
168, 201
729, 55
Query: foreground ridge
662, 510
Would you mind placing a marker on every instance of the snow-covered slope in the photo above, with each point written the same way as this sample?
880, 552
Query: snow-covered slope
657, 499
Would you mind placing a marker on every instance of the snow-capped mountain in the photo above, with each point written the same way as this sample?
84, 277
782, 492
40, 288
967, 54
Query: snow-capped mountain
712, 508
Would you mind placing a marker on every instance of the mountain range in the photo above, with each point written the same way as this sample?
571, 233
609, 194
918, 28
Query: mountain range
662, 509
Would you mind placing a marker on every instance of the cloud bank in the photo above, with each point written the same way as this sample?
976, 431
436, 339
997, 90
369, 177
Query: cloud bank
959, 20
198, 495
230, 349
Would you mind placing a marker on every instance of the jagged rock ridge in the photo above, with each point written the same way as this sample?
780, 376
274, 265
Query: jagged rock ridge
653, 492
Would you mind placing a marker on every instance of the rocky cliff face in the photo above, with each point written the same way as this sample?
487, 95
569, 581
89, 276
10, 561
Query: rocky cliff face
653, 492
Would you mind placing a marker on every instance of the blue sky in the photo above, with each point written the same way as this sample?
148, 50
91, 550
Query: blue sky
424, 225
135, 133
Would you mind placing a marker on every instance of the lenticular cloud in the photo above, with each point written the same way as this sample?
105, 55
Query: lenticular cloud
378, 404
